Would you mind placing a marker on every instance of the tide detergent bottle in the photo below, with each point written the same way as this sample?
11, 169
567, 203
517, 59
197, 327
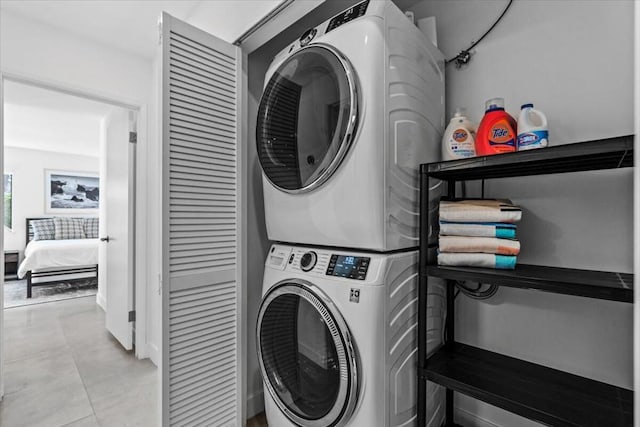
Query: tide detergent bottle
497, 131
458, 140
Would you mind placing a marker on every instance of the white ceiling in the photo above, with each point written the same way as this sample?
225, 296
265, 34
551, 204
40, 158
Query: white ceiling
42, 119
131, 25
124, 24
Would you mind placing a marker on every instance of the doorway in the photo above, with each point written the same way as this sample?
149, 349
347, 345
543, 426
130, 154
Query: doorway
115, 170
52, 144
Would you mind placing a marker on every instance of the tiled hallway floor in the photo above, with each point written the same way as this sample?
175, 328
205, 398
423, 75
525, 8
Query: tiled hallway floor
62, 368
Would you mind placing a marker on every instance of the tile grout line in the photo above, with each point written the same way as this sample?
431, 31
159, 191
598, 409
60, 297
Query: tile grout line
84, 385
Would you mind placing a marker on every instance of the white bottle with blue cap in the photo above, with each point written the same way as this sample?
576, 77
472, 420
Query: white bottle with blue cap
459, 137
533, 131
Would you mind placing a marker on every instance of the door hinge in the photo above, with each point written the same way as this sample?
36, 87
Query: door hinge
133, 137
132, 316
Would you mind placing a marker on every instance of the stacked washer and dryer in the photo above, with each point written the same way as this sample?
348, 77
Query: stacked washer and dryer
349, 112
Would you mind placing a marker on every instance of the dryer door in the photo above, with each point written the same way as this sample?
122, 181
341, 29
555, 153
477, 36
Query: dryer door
307, 356
307, 118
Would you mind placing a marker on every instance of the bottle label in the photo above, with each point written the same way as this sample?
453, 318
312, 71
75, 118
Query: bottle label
501, 137
460, 135
533, 139
461, 144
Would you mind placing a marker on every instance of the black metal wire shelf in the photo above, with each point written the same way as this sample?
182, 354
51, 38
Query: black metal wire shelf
610, 153
538, 392
569, 281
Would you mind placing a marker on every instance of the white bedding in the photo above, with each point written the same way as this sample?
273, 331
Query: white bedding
46, 254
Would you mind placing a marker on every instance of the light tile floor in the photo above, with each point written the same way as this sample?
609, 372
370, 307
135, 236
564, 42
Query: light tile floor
62, 368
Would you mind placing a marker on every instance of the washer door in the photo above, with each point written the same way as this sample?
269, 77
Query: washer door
307, 118
307, 357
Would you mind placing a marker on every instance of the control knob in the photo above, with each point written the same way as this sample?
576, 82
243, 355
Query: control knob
307, 36
308, 261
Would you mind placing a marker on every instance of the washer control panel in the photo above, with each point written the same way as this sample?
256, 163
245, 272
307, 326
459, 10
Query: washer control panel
351, 267
348, 15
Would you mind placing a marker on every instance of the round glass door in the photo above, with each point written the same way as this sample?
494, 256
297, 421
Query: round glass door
306, 355
307, 118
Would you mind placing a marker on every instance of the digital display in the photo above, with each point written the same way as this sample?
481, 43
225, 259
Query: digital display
344, 266
348, 15
348, 266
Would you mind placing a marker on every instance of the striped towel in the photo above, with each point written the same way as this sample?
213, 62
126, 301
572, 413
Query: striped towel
502, 262
478, 229
487, 245
484, 210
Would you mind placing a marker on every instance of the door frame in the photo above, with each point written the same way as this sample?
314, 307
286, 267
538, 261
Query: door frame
139, 208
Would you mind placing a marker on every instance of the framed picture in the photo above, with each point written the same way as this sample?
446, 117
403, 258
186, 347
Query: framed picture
8, 200
71, 192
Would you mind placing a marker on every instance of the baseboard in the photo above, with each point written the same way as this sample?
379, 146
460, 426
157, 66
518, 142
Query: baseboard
101, 301
153, 353
255, 404
466, 418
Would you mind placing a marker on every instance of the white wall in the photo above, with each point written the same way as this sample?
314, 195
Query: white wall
41, 52
28, 168
239, 16
32, 49
574, 61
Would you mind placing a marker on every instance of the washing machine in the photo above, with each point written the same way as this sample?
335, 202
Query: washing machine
336, 338
348, 113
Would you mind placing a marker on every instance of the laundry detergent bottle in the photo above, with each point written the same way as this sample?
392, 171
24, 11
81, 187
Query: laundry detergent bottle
497, 130
458, 141
532, 128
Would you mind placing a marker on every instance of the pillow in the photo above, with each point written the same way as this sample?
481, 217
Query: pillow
91, 228
69, 228
43, 229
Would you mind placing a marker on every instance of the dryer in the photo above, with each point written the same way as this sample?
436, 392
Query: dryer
348, 113
336, 338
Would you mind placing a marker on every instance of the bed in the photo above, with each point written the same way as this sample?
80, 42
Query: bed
49, 259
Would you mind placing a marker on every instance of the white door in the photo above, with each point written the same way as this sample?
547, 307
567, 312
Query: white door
202, 354
116, 225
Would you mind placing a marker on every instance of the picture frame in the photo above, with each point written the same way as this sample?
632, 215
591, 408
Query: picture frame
71, 192
8, 200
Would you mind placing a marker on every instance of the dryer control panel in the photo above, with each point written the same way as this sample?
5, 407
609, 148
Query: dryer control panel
351, 267
348, 15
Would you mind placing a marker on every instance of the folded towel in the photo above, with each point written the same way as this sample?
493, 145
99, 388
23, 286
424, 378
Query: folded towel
488, 245
503, 262
484, 210
478, 229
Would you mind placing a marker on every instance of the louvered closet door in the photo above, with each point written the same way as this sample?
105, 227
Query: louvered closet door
201, 292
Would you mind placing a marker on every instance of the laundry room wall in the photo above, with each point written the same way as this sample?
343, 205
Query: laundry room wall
574, 61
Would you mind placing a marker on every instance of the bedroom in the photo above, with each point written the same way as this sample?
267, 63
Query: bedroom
57, 147
49, 136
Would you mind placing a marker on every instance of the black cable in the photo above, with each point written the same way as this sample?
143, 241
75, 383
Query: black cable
477, 293
465, 55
